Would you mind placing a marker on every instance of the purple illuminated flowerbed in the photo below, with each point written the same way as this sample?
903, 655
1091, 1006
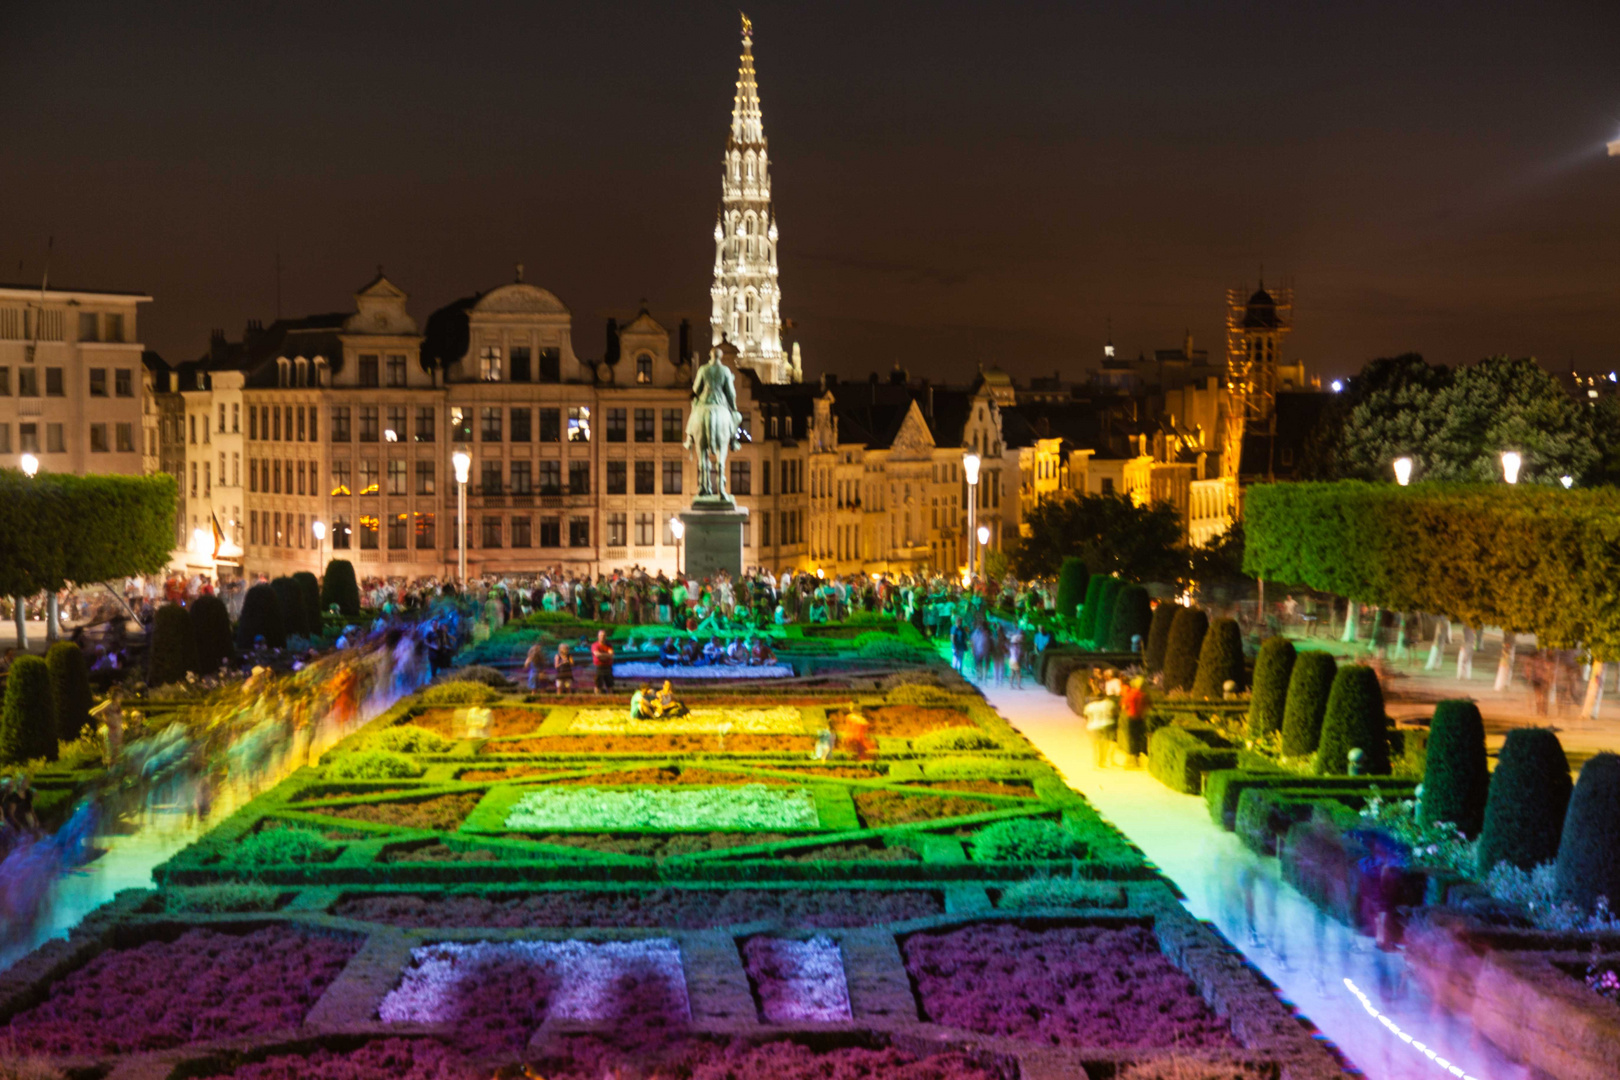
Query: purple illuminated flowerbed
1085, 986
204, 985
797, 981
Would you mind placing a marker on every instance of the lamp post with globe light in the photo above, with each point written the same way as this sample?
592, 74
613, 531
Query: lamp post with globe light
318, 527
19, 604
1403, 471
1511, 462
970, 472
463, 464
983, 534
677, 529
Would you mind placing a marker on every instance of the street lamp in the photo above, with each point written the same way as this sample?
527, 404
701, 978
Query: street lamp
30, 465
463, 463
1567, 481
984, 539
970, 472
1403, 471
318, 527
1510, 466
677, 529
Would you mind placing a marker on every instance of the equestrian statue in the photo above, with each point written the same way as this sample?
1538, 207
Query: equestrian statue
715, 427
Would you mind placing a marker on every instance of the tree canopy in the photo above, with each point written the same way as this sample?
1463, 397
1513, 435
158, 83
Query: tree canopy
58, 528
1109, 533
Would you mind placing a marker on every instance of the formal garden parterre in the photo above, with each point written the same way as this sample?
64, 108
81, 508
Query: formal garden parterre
568, 893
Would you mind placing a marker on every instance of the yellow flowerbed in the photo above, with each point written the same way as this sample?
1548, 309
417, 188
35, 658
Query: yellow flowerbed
781, 720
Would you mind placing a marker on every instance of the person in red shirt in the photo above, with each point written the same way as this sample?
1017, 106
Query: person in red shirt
602, 656
1133, 709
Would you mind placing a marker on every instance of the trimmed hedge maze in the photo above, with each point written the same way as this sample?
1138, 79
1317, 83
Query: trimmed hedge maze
564, 896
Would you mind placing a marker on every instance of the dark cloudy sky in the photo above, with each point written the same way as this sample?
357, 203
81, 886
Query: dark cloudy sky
956, 183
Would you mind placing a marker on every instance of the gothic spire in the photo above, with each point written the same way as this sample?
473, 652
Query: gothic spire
747, 126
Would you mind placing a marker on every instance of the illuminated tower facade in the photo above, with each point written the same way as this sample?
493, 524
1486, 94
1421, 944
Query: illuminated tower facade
746, 297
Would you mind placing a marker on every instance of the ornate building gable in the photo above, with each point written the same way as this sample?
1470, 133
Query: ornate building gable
913, 440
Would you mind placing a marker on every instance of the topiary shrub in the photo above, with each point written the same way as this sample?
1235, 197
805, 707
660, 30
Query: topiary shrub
409, 739
478, 673
28, 721
1060, 892
375, 765
341, 588
172, 652
224, 897
954, 738
1272, 670
1456, 776
1085, 627
1158, 638
1529, 795
309, 591
1073, 579
972, 768
1133, 614
288, 844
1219, 660
1107, 598
1023, 840
459, 692
1308, 689
1589, 852
1187, 635
1180, 757
292, 606
261, 617
70, 690
919, 694
1354, 720
211, 632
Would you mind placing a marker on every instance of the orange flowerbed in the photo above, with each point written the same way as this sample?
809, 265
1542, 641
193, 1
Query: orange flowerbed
652, 744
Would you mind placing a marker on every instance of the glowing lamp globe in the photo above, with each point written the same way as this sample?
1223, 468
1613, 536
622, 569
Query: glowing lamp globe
984, 534
30, 464
1403, 471
463, 463
1510, 466
1567, 481
319, 529
677, 527
970, 467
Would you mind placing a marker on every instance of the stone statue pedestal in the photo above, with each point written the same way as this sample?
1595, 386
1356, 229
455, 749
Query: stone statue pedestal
714, 537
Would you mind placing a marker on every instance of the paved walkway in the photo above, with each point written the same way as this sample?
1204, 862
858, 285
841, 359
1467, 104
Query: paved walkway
1306, 954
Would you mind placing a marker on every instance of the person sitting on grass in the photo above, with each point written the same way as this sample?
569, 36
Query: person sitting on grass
670, 654
691, 652
736, 651
762, 653
712, 653
643, 705
667, 706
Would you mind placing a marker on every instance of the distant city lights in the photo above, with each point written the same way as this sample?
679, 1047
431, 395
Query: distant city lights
1338, 385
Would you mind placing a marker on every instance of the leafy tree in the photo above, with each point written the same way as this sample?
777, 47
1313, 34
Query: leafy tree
1133, 613
1456, 777
1110, 533
1354, 720
1589, 853
27, 728
1186, 640
173, 649
1158, 639
70, 689
261, 617
1272, 670
1073, 580
1220, 660
341, 588
211, 630
1509, 404
59, 528
1385, 412
1308, 688
1528, 797
1219, 562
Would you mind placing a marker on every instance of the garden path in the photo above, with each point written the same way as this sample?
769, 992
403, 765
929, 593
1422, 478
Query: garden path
1306, 954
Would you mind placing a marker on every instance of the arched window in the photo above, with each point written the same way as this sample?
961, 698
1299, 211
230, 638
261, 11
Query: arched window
303, 372
644, 368
748, 167
751, 315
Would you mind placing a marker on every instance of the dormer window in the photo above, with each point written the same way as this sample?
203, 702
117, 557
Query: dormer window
644, 369
489, 363
368, 370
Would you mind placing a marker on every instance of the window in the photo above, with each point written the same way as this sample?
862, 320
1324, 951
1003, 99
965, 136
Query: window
550, 532
550, 366
742, 477
521, 371
236, 410
5, 382
644, 478
222, 418
28, 438
342, 477
490, 477
424, 532
98, 438
522, 524
340, 423
5, 438
53, 382
644, 529
522, 478
489, 367
368, 532
396, 476
368, 476
579, 532
368, 423
643, 369
424, 478
115, 328
617, 530
300, 421
615, 425
617, 472
1108, 485
644, 425
551, 478
579, 478
340, 531
395, 430
765, 480
672, 476
88, 330
368, 375
98, 382
398, 527
424, 423
579, 423
253, 526
672, 425
276, 414
28, 382
275, 537
396, 370
492, 531
550, 425
765, 530
489, 423
54, 443
460, 424
520, 425
669, 532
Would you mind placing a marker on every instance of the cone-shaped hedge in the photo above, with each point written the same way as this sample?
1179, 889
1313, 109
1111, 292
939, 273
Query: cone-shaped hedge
1308, 689
1354, 720
1107, 600
1071, 590
341, 588
1456, 778
27, 721
1158, 638
1529, 795
1270, 697
211, 629
1187, 634
261, 617
70, 689
292, 605
1220, 659
309, 591
173, 651
1133, 613
1088, 614
1589, 853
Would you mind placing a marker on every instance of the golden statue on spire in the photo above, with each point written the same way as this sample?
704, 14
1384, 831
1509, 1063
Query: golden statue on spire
748, 25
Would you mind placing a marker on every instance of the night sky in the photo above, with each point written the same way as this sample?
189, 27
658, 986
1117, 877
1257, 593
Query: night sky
956, 184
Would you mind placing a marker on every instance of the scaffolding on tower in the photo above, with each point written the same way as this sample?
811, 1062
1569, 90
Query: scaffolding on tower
1254, 333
